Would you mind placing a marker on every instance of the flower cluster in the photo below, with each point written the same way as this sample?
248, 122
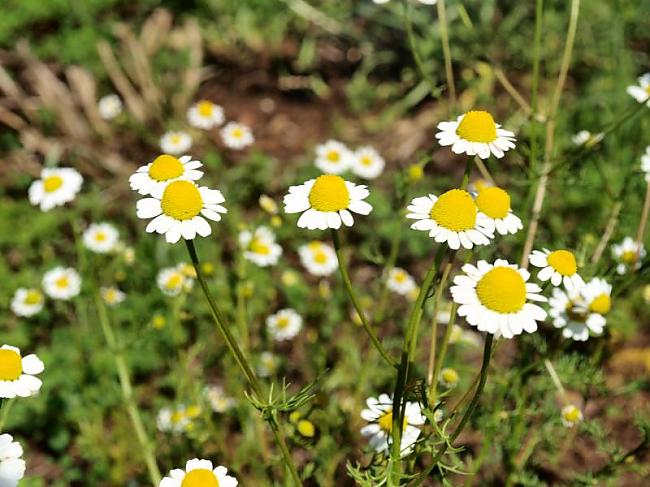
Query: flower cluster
334, 157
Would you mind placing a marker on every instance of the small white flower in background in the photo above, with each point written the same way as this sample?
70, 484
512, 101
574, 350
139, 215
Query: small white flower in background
476, 133
112, 296
218, 400
199, 473
268, 364
12, 466
400, 281
173, 420
205, 115
462, 336
268, 204
27, 302
237, 135
62, 283
172, 281
56, 187
164, 169
333, 157
380, 416
109, 106
326, 202
128, 254
596, 297
560, 266
101, 238
494, 298
628, 255
260, 247
284, 325
641, 92
449, 378
494, 203
571, 416
645, 164
318, 258
585, 137
367, 163
17, 373
568, 311
175, 142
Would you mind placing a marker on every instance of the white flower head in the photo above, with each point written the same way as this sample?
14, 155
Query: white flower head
333, 157
12, 466
318, 258
584, 137
164, 169
495, 298
218, 400
641, 92
560, 266
27, 302
56, 187
237, 135
172, 281
268, 364
18, 373
571, 416
260, 247
400, 281
367, 163
476, 133
494, 203
101, 238
175, 142
628, 255
568, 311
645, 164
449, 378
112, 296
62, 283
596, 296
109, 106
284, 325
199, 473
173, 420
205, 115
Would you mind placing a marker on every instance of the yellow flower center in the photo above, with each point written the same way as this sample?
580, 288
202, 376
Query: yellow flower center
502, 290
193, 411
33, 297
563, 262
62, 282
366, 160
100, 236
320, 257
176, 139
176, 417
306, 428
400, 277
601, 305
647, 90
181, 200
477, 126
205, 108
450, 376
110, 295
158, 321
174, 281
52, 183
237, 133
493, 202
333, 156
282, 322
11, 365
386, 421
200, 477
572, 414
455, 210
165, 167
630, 257
257, 246
329, 193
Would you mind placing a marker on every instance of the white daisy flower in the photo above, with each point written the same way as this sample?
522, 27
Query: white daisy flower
449, 378
476, 133
596, 296
218, 400
569, 313
180, 210
205, 115
559, 266
237, 135
173, 420
268, 364
453, 218
284, 325
493, 298
109, 106
641, 92
494, 203
645, 164
164, 169
318, 258
12, 466
571, 416
56, 187
62, 283
175, 142
17, 373
585, 137
260, 246
112, 296
400, 281
628, 255
333, 157
380, 416
27, 302
172, 281
199, 473
326, 202
101, 238
367, 163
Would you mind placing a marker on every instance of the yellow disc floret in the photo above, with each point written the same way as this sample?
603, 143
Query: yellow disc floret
601, 305
455, 210
165, 167
572, 414
257, 246
630, 257
493, 202
200, 477
11, 365
282, 322
563, 262
205, 108
62, 282
385, 422
333, 156
502, 290
306, 428
329, 193
181, 200
477, 126
52, 183
33, 297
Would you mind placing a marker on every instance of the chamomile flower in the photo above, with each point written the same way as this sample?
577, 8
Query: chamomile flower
453, 218
199, 473
379, 415
318, 258
568, 311
165, 168
641, 92
109, 106
172, 281
476, 133
268, 364
56, 187
175, 142
645, 164
237, 135
173, 420
260, 247
12, 466
571, 415
112, 296
205, 115
400, 281
284, 325
584, 137
17, 373
596, 296
494, 298
367, 163
180, 210
494, 203
327, 201
333, 157
628, 255
101, 238
218, 400
62, 283
449, 378
559, 266
27, 302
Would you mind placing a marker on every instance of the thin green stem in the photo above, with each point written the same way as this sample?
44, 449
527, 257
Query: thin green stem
390, 263
440, 359
4, 412
446, 51
408, 26
242, 321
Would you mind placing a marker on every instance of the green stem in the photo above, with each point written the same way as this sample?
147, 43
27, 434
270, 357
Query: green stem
242, 320
4, 411
408, 26
440, 360
390, 263
446, 51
